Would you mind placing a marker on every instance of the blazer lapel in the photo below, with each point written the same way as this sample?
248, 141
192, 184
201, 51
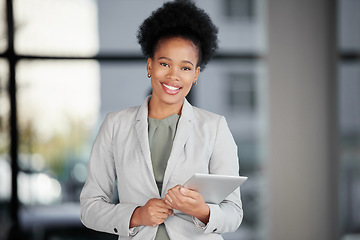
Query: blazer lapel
184, 129
141, 126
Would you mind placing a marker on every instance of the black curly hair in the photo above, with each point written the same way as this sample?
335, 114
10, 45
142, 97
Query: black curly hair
179, 19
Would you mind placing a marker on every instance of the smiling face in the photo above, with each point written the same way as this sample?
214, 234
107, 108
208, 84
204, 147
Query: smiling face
173, 69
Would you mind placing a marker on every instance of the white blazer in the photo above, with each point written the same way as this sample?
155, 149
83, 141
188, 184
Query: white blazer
120, 158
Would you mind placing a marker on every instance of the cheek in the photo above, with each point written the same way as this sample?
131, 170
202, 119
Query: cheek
154, 82
158, 73
188, 85
155, 76
190, 80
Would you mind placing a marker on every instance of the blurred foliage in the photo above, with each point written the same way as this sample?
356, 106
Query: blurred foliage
56, 149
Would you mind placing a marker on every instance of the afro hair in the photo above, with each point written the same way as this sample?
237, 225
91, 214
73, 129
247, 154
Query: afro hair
179, 19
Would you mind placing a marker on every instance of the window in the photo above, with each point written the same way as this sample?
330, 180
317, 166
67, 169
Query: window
3, 28
56, 27
5, 169
239, 9
49, 99
349, 117
241, 92
58, 102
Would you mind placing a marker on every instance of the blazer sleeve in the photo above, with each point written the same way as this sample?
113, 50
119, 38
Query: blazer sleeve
226, 216
97, 210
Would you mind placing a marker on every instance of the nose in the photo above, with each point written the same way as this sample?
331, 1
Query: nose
173, 74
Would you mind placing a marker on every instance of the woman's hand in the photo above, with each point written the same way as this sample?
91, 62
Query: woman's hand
153, 213
189, 202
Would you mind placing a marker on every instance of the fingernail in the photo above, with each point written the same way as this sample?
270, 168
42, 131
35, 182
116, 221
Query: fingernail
183, 190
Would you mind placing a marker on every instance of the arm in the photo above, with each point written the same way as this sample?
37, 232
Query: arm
97, 210
226, 216
153, 213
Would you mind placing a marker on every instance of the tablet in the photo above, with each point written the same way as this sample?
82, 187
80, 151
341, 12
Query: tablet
214, 188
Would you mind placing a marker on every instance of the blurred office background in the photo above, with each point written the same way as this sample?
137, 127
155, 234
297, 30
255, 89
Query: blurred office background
286, 76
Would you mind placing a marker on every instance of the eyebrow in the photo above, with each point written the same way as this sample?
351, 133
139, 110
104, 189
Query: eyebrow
169, 59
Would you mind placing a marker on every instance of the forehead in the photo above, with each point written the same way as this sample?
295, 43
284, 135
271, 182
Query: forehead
176, 46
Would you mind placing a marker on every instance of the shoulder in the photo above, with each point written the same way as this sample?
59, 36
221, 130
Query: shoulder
208, 121
131, 114
120, 119
126, 113
204, 116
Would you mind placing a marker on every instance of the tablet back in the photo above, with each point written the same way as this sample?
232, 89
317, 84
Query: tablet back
214, 188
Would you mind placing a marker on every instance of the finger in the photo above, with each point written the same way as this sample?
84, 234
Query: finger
163, 216
161, 204
174, 198
190, 193
176, 195
170, 212
164, 211
168, 203
168, 198
175, 187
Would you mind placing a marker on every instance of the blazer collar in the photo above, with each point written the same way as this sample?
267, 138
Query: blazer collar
184, 130
143, 110
141, 126
187, 112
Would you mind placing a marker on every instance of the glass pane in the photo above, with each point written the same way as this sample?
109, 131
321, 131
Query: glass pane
3, 28
349, 22
58, 104
119, 22
5, 161
56, 27
238, 34
123, 85
349, 119
5, 168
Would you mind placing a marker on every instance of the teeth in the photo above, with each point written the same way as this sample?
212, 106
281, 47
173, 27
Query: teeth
170, 87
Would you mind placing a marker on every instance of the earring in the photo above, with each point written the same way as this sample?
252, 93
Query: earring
194, 83
149, 75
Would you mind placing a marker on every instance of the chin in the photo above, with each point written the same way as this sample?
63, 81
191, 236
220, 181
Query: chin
173, 99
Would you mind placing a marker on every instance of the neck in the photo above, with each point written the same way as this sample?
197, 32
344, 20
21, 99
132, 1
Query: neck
161, 110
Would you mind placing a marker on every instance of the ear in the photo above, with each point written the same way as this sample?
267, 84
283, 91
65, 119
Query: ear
197, 72
148, 65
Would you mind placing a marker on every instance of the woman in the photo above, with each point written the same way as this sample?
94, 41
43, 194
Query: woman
150, 150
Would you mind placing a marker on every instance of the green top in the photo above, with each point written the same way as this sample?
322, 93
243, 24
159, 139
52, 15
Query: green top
161, 136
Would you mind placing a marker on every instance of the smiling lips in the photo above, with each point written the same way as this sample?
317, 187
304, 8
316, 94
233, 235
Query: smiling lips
170, 89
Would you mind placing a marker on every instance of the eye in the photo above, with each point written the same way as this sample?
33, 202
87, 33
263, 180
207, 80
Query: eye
186, 69
164, 64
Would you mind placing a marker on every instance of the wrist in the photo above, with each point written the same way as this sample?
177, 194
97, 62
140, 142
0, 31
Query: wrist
135, 218
204, 214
